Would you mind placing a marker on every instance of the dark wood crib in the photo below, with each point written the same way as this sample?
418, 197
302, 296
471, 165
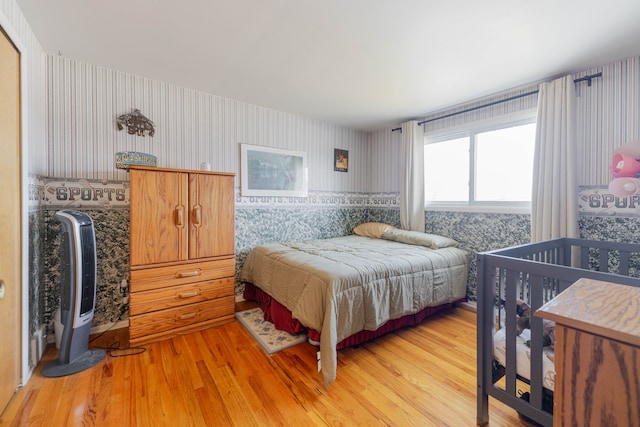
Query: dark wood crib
534, 273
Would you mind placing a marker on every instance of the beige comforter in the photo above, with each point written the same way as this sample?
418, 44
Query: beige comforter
347, 284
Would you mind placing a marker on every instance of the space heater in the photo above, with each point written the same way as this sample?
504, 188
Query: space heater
78, 294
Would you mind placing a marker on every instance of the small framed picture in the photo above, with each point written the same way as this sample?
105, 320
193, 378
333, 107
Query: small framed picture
341, 160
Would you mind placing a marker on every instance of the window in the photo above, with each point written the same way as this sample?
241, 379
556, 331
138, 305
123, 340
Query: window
482, 166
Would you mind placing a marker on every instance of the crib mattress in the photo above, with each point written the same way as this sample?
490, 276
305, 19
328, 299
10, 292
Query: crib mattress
523, 357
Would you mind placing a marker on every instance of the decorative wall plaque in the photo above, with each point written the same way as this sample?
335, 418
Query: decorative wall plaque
136, 123
124, 159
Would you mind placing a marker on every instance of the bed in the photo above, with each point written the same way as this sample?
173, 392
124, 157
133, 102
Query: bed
349, 289
515, 365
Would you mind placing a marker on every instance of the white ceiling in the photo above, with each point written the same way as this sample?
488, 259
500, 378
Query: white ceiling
364, 64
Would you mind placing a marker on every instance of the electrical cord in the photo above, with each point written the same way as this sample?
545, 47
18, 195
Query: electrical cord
123, 310
115, 347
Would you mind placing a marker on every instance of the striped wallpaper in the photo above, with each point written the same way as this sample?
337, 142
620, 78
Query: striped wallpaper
191, 127
608, 116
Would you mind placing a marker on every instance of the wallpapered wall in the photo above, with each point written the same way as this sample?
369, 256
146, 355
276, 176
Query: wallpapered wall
323, 215
326, 215
80, 140
277, 223
191, 127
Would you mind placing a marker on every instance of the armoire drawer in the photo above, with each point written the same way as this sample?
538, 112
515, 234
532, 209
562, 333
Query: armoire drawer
161, 277
175, 296
173, 318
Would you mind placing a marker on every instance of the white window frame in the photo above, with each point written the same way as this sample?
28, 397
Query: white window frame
470, 130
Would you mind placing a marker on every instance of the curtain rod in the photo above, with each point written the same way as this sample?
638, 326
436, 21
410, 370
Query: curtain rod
511, 98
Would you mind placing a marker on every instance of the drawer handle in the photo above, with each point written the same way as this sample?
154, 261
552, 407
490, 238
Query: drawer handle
189, 294
187, 316
188, 274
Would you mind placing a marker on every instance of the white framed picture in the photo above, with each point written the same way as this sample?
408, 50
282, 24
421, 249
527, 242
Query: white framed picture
266, 171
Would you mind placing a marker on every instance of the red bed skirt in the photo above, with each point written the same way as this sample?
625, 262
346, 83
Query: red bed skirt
280, 316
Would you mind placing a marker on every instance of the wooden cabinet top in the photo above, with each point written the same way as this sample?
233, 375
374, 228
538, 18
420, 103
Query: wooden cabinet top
602, 308
152, 168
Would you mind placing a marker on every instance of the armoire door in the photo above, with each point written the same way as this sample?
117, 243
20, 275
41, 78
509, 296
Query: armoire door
212, 217
10, 220
159, 217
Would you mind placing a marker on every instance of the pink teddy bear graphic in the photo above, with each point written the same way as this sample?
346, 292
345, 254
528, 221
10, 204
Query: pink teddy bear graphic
625, 167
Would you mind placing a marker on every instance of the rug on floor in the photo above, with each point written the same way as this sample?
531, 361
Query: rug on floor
271, 339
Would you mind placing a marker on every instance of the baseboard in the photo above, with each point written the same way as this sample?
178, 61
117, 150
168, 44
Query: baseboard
51, 338
38, 343
109, 326
469, 305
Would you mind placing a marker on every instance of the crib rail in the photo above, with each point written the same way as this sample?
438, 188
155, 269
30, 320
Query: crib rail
535, 273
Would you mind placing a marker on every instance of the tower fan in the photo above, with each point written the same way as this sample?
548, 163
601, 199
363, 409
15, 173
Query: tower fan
78, 294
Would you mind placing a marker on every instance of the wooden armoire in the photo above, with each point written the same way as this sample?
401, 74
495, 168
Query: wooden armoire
182, 252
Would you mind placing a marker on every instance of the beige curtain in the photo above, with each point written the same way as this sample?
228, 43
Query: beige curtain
554, 201
412, 191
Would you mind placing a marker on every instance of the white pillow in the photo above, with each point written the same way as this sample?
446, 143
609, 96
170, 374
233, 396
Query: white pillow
432, 241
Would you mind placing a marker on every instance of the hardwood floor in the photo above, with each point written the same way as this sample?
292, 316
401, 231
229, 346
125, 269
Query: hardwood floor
419, 376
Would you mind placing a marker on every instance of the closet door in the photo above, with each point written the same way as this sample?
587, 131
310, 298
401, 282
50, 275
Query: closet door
10, 220
158, 217
212, 226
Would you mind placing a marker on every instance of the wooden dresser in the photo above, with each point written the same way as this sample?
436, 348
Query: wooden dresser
182, 250
597, 354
